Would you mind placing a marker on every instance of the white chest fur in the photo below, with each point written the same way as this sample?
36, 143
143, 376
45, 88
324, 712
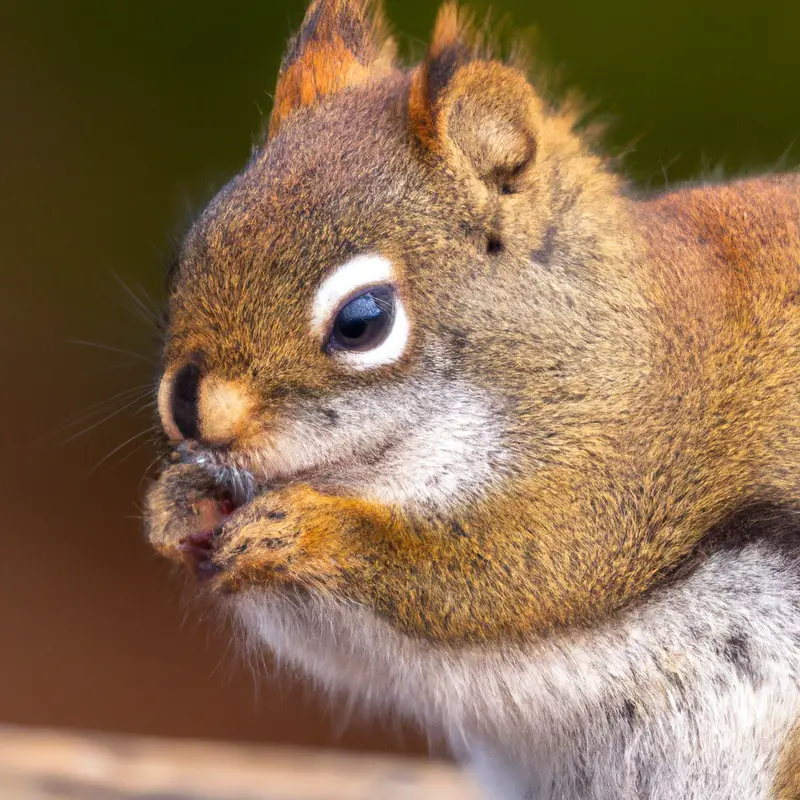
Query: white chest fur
689, 696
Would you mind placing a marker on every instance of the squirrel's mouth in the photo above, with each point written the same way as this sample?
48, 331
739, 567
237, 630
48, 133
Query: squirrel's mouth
231, 488
230, 483
187, 522
247, 472
190, 520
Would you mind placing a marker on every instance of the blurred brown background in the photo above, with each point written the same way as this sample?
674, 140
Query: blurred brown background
119, 118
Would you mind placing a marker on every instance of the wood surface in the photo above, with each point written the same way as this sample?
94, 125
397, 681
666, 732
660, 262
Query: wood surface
38, 764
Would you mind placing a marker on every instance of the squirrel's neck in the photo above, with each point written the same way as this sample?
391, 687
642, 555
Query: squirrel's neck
691, 695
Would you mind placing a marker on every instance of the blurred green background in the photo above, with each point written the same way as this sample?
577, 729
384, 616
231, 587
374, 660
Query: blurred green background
119, 118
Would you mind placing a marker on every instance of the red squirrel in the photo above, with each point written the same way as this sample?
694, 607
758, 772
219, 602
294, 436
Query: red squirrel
465, 427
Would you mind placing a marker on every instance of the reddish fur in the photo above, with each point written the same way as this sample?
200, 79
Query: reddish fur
327, 63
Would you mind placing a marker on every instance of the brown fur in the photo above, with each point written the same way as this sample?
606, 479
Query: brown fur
667, 364
787, 783
657, 394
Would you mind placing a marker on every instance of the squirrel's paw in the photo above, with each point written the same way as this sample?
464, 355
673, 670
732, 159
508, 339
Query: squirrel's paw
290, 535
184, 509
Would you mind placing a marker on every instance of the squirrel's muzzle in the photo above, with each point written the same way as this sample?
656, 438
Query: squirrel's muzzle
203, 408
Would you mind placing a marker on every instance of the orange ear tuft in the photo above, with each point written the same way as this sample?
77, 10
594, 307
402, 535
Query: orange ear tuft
477, 112
340, 43
454, 29
454, 44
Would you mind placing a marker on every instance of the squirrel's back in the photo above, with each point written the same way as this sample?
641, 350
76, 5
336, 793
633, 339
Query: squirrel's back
725, 267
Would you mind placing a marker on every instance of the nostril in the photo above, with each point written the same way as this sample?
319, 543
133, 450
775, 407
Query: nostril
185, 389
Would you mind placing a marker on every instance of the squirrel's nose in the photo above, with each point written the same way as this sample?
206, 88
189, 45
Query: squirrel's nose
204, 408
185, 401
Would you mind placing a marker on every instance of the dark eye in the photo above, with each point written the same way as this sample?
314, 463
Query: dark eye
363, 322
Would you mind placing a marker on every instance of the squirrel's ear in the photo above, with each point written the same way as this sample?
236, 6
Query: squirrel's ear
478, 113
340, 43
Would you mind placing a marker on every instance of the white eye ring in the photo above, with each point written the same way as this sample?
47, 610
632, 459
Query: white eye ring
361, 272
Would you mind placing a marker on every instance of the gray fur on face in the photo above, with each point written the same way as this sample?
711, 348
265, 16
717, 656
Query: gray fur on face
424, 446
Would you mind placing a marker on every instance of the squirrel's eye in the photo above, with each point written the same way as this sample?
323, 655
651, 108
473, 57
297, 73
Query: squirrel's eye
363, 322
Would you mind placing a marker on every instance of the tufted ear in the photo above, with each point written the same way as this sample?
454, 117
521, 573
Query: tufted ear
340, 43
477, 112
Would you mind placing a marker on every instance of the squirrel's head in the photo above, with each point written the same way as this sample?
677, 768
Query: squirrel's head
411, 294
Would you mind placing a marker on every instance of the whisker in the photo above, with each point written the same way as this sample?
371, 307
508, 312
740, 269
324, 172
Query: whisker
119, 447
150, 404
100, 406
113, 349
147, 469
105, 419
138, 447
112, 367
154, 307
146, 314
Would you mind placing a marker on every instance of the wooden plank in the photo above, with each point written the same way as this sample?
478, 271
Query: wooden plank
55, 765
